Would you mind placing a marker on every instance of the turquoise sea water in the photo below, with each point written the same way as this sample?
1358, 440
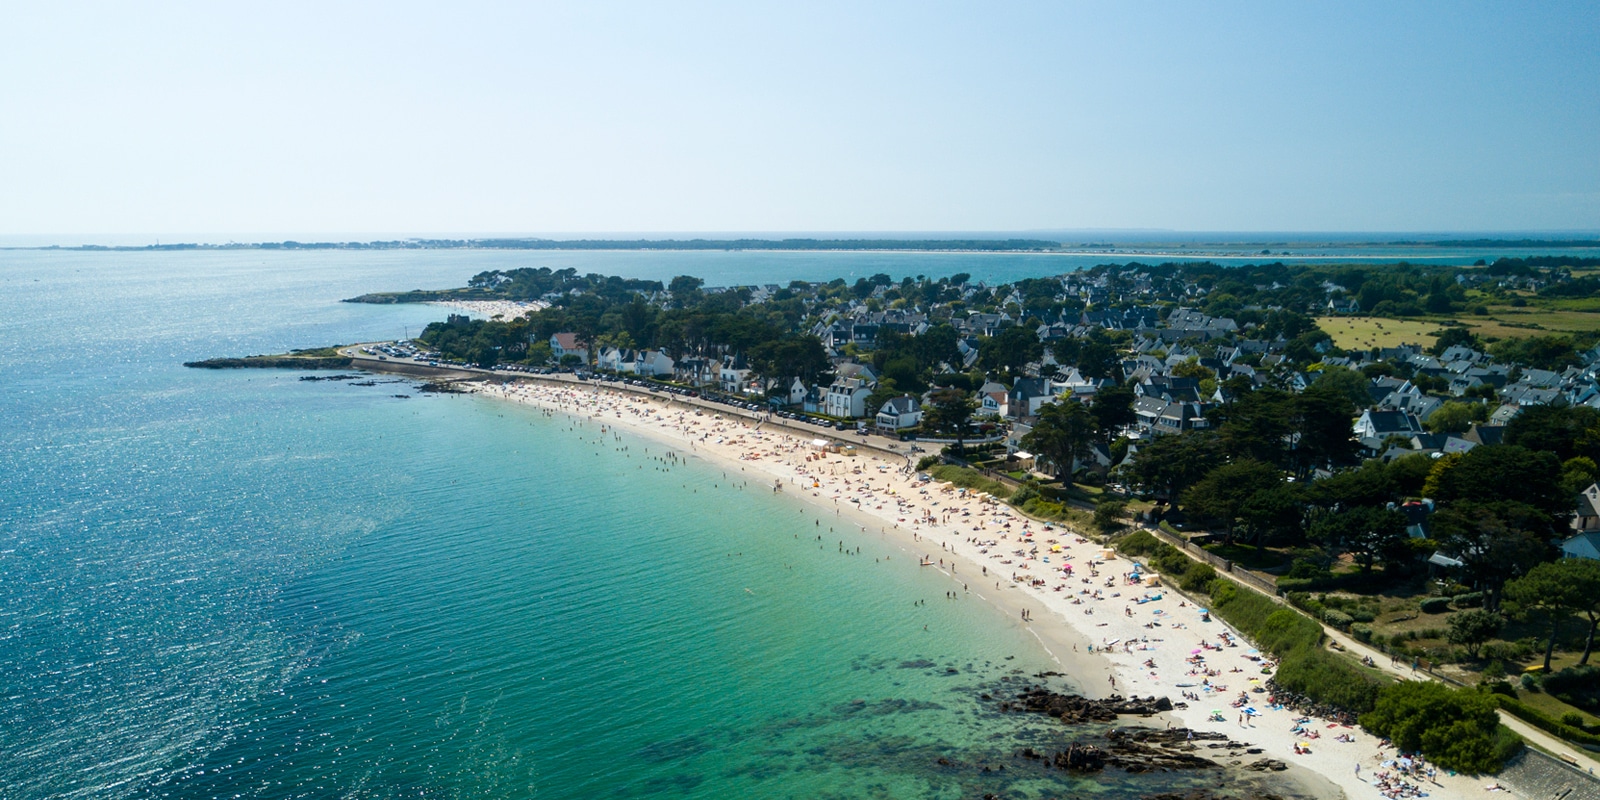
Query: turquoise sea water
242, 584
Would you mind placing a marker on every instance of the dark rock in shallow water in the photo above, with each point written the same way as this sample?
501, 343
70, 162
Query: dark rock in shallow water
441, 387
290, 361
1072, 708
1265, 764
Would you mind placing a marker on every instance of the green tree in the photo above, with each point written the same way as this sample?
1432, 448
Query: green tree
1320, 430
1473, 628
1509, 473
1409, 473
1451, 337
1346, 382
1063, 435
1108, 517
1567, 431
1192, 368
949, 411
1112, 411
1094, 356
1556, 589
1010, 349
1274, 515
1455, 728
1257, 426
1369, 533
1169, 465
1222, 493
1455, 417
1547, 592
1494, 542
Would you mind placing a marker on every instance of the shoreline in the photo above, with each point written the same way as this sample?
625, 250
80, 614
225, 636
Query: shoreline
1104, 631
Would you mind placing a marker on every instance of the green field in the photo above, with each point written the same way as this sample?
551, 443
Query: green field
1363, 333
1508, 322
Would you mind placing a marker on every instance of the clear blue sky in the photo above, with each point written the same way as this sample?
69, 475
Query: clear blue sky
593, 117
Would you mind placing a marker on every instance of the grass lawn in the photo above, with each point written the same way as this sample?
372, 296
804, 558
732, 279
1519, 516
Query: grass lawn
1551, 707
1249, 557
1507, 321
1364, 333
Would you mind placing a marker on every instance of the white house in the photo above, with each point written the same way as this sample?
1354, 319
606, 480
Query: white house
655, 364
1586, 519
616, 359
1376, 424
994, 404
566, 344
735, 374
847, 397
900, 413
796, 394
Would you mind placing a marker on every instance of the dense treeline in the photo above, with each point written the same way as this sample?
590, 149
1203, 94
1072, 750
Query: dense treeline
1496, 507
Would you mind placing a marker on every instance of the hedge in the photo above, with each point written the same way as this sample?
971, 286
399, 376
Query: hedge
1527, 714
1468, 600
1296, 639
1435, 605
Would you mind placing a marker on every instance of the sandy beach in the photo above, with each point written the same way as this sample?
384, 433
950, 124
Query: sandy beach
489, 309
1113, 629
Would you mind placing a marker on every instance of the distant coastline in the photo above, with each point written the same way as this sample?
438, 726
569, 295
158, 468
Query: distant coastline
914, 245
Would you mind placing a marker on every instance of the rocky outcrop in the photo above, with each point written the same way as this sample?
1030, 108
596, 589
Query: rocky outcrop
1073, 709
273, 362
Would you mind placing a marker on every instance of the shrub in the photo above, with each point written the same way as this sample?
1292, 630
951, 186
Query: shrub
1306, 601
1573, 719
1529, 683
1138, 543
1505, 651
1108, 516
1337, 619
1023, 495
1455, 728
1579, 686
1327, 678
970, 479
1363, 613
1585, 677
1468, 600
1435, 605
927, 463
1502, 688
1363, 633
1198, 577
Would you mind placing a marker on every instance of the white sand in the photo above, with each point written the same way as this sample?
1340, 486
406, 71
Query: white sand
1145, 638
489, 309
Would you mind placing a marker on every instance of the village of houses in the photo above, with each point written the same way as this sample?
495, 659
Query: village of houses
1153, 343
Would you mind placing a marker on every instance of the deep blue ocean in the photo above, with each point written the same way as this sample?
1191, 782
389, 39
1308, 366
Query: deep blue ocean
242, 584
